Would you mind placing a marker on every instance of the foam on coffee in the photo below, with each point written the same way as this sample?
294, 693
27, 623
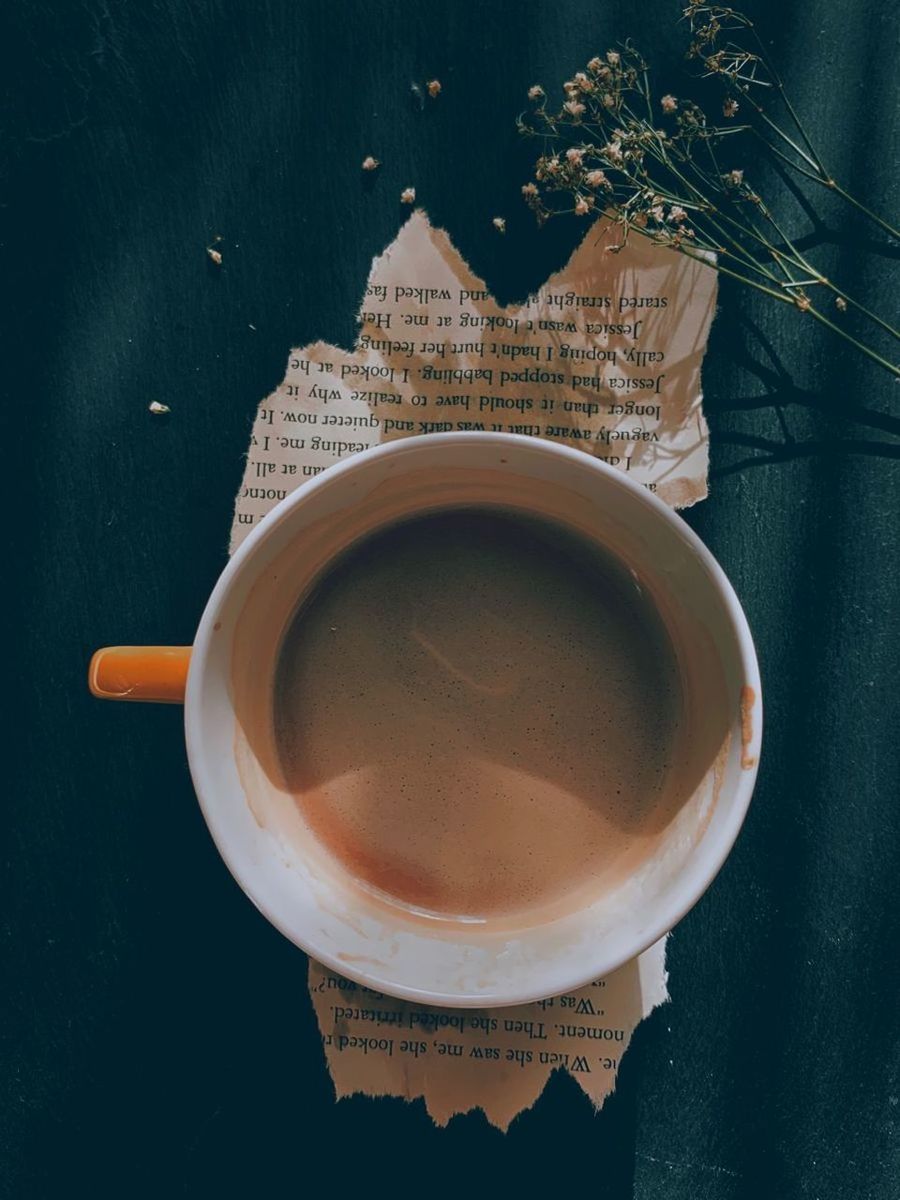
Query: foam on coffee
477, 714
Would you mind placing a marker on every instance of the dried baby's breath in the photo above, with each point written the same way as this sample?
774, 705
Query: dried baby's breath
408, 196
668, 171
370, 164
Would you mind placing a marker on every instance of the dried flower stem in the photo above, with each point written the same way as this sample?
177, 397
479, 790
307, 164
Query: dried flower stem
857, 204
812, 310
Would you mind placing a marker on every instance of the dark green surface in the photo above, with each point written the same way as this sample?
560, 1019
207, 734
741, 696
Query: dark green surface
157, 1038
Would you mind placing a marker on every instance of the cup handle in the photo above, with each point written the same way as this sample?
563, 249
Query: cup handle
150, 673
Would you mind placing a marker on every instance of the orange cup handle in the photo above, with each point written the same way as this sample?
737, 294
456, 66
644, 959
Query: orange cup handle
150, 673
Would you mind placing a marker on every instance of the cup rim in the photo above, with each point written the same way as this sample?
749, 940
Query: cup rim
692, 884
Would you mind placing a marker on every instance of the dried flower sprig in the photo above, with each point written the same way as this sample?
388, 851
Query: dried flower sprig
659, 169
749, 77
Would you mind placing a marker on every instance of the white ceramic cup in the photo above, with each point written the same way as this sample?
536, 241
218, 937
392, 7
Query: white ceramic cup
260, 836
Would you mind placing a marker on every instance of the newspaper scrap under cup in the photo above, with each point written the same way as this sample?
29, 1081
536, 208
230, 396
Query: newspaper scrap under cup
605, 356
498, 1059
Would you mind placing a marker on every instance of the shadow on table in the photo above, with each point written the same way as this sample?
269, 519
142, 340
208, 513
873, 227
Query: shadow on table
763, 361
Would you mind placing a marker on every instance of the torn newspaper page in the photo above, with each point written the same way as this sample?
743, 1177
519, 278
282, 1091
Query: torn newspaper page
605, 356
496, 1060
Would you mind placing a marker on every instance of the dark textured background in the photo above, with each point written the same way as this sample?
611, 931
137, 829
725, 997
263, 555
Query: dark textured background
157, 1037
